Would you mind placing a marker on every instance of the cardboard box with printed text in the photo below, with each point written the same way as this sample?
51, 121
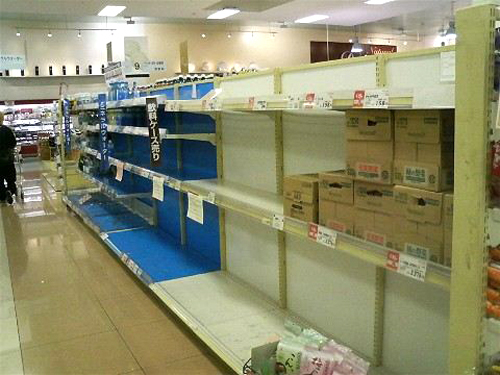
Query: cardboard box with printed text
418, 205
336, 187
424, 126
338, 216
369, 125
448, 228
375, 227
374, 197
301, 197
370, 161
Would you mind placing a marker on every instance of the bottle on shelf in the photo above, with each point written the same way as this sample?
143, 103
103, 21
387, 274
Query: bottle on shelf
7, 73
78, 70
37, 70
50, 70
64, 70
22, 72
102, 69
90, 69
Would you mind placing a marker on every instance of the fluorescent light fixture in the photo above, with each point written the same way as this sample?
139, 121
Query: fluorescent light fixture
311, 19
356, 47
377, 2
49, 34
229, 35
223, 13
203, 35
111, 10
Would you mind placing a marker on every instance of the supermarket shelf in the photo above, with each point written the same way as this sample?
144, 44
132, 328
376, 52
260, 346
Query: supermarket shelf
262, 206
144, 132
134, 102
54, 77
417, 98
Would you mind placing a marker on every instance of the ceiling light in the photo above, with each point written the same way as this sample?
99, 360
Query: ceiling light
311, 19
203, 35
224, 13
49, 34
377, 2
79, 34
229, 35
18, 33
111, 10
356, 47
350, 40
405, 43
451, 33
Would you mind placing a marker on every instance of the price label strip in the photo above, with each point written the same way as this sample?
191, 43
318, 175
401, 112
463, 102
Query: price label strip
195, 208
407, 265
322, 235
119, 171
371, 99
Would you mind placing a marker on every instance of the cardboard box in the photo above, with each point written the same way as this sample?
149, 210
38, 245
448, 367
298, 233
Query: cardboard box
307, 212
336, 187
418, 205
369, 125
301, 188
425, 126
338, 216
375, 227
423, 175
422, 240
370, 161
448, 228
374, 197
427, 166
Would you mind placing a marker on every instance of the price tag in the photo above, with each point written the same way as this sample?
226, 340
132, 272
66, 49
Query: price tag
119, 171
172, 106
98, 155
278, 222
210, 198
211, 105
324, 102
104, 236
195, 208
310, 100
293, 102
158, 190
371, 99
312, 232
259, 105
326, 236
84, 199
407, 265
124, 257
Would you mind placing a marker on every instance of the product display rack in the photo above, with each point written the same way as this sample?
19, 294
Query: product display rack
266, 273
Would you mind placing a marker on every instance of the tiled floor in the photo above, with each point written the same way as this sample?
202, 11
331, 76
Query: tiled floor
67, 306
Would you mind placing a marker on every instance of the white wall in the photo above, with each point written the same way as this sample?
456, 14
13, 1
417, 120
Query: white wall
291, 46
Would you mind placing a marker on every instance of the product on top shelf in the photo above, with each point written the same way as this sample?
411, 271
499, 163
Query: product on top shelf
369, 125
374, 197
370, 161
375, 227
301, 197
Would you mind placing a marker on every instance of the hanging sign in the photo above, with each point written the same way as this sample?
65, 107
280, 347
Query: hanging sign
119, 171
8, 62
154, 131
195, 208
103, 131
67, 125
114, 72
154, 66
158, 190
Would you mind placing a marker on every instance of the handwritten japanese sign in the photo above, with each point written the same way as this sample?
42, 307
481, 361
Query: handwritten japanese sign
67, 125
8, 62
154, 131
103, 131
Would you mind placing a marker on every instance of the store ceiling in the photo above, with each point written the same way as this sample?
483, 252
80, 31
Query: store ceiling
415, 16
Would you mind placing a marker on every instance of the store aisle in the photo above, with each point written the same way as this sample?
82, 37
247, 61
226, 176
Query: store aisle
67, 306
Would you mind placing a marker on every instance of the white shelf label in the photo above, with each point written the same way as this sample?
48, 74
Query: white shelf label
172, 106
104, 236
324, 102
195, 208
119, 171
278, 222
158, 188
98, 155
322, 235
407, 265
371, 99
310, 100
259, 105
293, 102
210, 198
211, 105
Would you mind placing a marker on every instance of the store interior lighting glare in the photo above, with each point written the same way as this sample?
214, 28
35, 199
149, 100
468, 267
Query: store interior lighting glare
111, 10
223, 13
49, 34
311, 19
451, 33
79, 34
18, 33
378, 2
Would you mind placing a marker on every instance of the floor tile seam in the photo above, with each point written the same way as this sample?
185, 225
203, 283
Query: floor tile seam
3, 249
68, 339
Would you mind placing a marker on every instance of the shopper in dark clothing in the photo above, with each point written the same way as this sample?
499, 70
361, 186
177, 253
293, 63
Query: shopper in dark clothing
7, 169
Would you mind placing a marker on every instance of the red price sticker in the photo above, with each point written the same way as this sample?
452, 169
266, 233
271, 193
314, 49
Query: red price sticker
312, 233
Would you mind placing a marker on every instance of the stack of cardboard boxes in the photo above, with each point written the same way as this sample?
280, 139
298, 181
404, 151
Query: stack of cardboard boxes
394, 191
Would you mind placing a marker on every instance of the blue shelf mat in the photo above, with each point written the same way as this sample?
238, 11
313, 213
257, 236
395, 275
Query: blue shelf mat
160, 256
109, 216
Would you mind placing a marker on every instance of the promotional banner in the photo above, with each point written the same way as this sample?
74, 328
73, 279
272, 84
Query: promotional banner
154, 131
136, 55
103, 132
67, 125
